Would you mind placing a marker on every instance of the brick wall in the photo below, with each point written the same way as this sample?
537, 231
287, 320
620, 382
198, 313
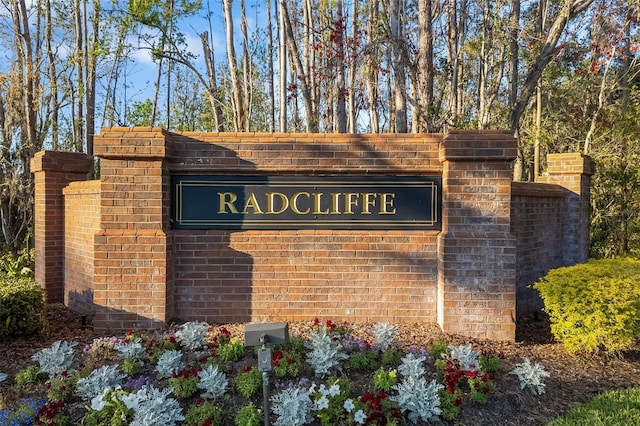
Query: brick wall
538, 224
572, 172
477, 255
81, 222
298, 275
133, 265
464, 277
53, 171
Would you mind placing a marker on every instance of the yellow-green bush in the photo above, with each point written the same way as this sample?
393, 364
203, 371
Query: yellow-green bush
22, 307
594, 306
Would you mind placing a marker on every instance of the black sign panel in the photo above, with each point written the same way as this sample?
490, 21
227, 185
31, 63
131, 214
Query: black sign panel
304, 202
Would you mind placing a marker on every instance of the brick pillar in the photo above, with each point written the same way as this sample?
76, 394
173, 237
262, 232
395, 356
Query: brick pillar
53, 170
132, 269
476, 251
573, 171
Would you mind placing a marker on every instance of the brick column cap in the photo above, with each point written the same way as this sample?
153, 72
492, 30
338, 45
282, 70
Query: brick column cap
478, 145
133, 142
61, 161
573, 163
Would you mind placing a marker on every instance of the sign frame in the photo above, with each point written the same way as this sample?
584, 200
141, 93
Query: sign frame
287, 202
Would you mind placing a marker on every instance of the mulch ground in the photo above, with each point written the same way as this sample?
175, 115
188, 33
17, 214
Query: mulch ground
573, 379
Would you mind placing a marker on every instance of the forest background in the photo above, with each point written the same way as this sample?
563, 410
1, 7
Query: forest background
563, 75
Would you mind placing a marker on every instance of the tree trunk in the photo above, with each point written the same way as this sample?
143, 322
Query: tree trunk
26, 68
91, 60
282, 70
246, 68
339, 34
79, 123
212, 85
569, 11
426, 71
372, 65
272, 96
395, 14
351, 95
236, 89
53, 77
311, 122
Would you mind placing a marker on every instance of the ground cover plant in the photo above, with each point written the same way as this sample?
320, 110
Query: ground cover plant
328, 374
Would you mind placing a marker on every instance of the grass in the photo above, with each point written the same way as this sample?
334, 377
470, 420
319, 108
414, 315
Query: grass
617, 407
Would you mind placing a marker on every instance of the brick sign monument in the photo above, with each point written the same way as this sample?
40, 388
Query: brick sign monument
246, 227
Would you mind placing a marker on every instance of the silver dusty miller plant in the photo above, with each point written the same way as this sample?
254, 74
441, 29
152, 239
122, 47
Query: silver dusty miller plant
384, 335
213, 382
326, 354
57, 358
192, 335
94, 384
531, 376
292, 406
131, 350
419, 399
169, 362
411, 365
467, 357
154, 408
416, 397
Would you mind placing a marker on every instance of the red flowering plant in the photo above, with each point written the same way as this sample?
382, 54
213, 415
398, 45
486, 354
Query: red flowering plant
184, 383
481, 386
50, 414
61, 386
464, 363
286, 362
204, 413
334, 329
380, 410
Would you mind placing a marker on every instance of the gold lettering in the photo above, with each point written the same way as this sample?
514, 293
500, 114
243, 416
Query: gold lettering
335, 202
294, 203
386, 200
252, 203
227, 204
349, 201
270, 202
317, 197
368, 201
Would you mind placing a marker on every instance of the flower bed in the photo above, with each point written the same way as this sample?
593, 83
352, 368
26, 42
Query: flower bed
196, 375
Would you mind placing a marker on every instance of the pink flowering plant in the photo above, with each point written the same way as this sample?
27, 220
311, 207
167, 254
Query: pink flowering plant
193, 374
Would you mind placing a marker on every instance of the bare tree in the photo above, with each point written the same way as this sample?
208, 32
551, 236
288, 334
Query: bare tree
282, 69
236, 88
272, 96
311, 122
426, 71
395, 13
337, 37
26, 67
211, 84
570, 9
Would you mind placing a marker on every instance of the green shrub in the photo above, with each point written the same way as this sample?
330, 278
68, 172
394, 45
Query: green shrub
18, 266
594, 306
204, 413
617, 407
249, 383
22, 307
30, 375
248, 415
